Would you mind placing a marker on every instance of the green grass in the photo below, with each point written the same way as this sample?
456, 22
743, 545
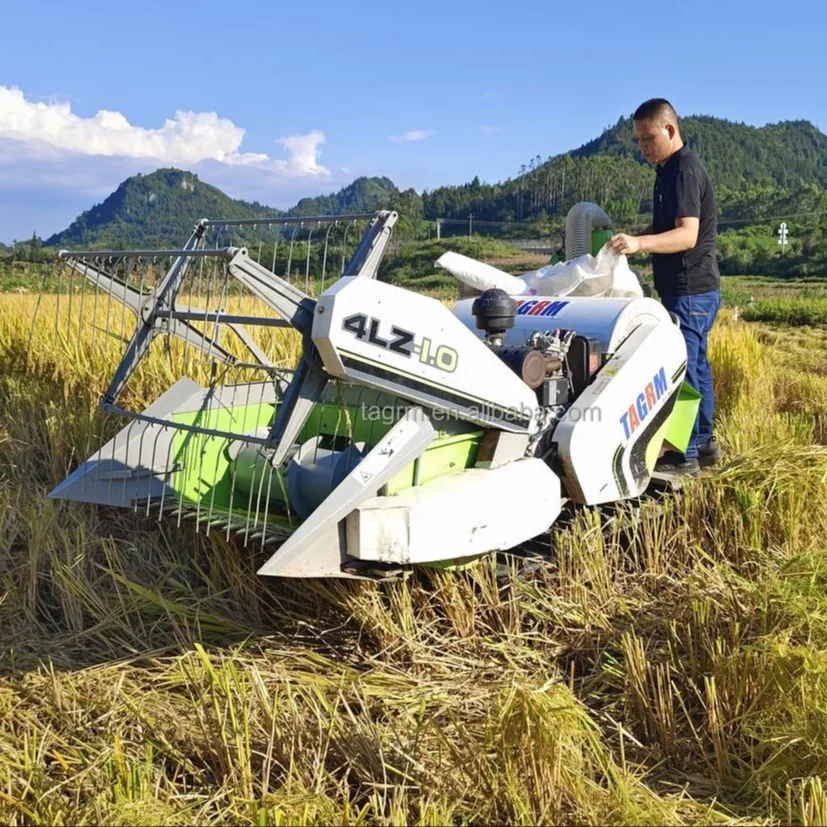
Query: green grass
778, 301
744, 290
801, 311
21, 277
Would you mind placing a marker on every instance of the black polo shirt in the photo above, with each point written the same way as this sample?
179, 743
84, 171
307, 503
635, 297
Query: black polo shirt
683, 189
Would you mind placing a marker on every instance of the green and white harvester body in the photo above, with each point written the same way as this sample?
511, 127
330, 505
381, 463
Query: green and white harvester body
409, 433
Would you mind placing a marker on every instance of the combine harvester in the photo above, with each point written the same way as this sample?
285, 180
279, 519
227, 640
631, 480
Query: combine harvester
408, 434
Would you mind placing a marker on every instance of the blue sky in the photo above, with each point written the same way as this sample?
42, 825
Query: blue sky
280, 100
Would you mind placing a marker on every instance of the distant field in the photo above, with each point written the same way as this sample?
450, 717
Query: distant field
20, 278
757, 298
414, 264
764, 299
743, 289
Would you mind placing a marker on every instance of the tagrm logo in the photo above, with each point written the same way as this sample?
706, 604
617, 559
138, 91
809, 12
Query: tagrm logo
547, 308
646, 401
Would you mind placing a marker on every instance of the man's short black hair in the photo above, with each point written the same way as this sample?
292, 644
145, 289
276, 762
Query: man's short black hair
654, 109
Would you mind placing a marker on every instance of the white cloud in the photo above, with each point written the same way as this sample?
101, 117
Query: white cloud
413, 135
491, 130
46, 195
49, 129
304, 153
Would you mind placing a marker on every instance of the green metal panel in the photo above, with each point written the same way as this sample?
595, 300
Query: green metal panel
347, 421
205, 472
446, 455
683, 417
205, 475
599, 238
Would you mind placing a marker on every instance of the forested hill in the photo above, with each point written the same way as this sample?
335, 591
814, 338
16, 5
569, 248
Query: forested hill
158, 210
784, 154
363, 195
154, 211
758, 172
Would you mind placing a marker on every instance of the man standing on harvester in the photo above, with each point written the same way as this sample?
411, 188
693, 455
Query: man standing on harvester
682, 244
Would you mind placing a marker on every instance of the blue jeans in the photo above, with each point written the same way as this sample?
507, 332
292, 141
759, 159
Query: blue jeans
697, 315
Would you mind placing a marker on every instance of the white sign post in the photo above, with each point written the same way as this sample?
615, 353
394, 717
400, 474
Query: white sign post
782, 236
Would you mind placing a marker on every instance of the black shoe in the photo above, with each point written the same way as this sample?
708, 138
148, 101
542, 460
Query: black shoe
710, 454
673, 465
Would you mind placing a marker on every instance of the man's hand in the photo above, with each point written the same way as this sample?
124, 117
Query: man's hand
624, 245
683, 237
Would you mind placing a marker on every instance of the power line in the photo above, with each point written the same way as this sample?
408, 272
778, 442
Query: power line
464, 221
721, 221
786, 216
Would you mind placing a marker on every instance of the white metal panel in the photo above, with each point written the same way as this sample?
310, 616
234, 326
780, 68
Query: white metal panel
462, 515
598, 433
609, 320
413, 346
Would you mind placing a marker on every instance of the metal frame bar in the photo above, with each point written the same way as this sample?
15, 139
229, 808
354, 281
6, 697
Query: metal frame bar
365, 260
192, 253
299, 219
217, 316
109, 407
157, 311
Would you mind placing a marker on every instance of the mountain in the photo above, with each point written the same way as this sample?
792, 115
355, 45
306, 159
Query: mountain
153, 211
362, 196
758, 172
156, 210
785, 154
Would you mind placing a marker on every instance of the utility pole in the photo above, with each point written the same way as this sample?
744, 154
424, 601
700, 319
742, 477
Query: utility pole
470, 217
782, 236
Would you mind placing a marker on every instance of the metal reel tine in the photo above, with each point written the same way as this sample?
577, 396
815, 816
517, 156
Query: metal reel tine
307, 262
344, 245
290, 256
178, 456
276, 236
324, 252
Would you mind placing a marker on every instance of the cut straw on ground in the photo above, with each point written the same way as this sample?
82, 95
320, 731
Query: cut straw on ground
667, 668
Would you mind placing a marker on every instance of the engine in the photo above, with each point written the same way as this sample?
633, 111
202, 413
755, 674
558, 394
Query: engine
606, 373
557, 364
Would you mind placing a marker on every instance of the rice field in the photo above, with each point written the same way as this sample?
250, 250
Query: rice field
667, 668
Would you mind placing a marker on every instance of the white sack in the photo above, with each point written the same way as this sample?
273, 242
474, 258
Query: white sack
480, 276
606, 275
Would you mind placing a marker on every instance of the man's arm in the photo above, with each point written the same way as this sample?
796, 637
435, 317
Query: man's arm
683, 237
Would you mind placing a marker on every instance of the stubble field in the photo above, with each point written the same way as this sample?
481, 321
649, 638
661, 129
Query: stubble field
670, 668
